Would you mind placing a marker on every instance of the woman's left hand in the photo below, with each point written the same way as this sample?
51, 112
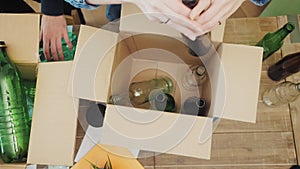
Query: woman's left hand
209, 13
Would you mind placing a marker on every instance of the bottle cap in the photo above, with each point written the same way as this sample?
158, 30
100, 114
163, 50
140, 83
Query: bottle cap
200, 70
95, 115
201, 103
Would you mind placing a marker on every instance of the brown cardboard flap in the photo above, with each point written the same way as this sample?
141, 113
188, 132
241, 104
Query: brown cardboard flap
131, 14
242, 67
157, 131
21, 35
93, 64
54, 121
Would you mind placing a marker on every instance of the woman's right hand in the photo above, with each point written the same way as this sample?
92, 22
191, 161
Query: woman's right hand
53, 29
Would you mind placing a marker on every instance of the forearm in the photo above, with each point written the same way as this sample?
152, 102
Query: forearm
52, 7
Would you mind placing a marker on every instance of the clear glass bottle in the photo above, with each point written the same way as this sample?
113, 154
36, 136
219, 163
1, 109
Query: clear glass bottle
14, 122
194, 78
194, 106
139, 91
161, 101
273, 41
283, 93
287, 66
120, 99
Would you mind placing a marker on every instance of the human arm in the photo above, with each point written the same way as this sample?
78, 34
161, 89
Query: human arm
53, 29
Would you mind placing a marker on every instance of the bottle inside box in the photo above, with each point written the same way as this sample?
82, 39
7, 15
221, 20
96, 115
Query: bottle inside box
152, 59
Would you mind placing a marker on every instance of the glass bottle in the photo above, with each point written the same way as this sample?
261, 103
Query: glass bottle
29, 88
194, 106
139, 91
287, 66
161, 101
120, 99
283, 93
194, 78
14, 127
68, 54
190, 3
273, 41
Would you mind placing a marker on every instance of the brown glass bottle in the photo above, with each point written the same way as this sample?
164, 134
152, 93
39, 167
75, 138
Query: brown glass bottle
287, 66
190, 3
194, 106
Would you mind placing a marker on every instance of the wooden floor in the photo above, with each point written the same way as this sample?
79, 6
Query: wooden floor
273, 142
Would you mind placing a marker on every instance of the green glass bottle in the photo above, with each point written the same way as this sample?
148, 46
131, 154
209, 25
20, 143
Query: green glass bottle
29, 88
68, 54
273, 41
139, 91
161, 101
14, 127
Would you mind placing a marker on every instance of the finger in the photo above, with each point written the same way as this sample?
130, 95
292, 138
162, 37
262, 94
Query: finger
199, 8
180, 8
68, 42
180, 19
211, 15
46, 44
59, 49
187, 32
53, 49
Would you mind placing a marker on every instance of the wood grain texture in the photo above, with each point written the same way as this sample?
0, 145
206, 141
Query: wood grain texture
268, 120
241, 149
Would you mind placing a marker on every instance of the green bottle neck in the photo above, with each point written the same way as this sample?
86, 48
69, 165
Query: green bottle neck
284, 31
3, 55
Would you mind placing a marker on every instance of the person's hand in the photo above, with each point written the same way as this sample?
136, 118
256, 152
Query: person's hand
171, 12
53, 29
210, 13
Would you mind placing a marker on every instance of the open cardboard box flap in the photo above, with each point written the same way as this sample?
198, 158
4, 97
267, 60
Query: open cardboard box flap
234, 84
21, 34
54, 121
53, 128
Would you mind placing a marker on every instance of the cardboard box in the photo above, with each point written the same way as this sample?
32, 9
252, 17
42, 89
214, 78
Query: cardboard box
248, 9
100, 154
53, 131
108, 62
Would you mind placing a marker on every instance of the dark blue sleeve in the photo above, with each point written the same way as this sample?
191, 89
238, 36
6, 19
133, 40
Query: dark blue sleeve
52, 7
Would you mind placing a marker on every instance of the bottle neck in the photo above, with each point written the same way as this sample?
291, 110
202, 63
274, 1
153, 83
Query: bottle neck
284, 31
3, 55
200, 71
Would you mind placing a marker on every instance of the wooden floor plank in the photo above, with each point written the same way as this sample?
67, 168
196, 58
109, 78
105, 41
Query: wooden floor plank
268, 120
146, 158
241, 149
